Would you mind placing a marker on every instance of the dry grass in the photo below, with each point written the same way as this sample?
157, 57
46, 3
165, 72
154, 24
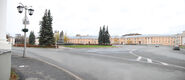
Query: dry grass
13, 75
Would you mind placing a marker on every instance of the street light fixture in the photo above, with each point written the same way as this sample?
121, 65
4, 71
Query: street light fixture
30, 11
20, 9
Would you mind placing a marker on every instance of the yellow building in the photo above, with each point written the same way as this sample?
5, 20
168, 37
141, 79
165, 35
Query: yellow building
83, 40
149, 39
176, 39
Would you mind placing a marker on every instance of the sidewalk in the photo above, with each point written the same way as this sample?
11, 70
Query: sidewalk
31, 69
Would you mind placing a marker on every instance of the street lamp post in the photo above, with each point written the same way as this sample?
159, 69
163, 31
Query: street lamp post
20, 8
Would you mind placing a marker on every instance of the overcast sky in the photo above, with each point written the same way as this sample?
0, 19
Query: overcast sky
86, 16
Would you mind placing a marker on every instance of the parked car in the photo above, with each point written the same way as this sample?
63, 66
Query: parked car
156, 45
176, 47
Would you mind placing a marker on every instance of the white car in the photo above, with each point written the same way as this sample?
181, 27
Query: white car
176, 47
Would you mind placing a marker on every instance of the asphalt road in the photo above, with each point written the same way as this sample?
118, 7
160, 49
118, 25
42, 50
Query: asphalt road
123, 63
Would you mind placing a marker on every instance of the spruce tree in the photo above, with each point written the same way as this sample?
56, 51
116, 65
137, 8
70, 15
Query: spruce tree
42, 38
100, 41
103, 35
107, 36
50, 30
46, 37
32, 38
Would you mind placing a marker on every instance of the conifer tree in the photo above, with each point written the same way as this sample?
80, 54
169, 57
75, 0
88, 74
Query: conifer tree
104, 36
107, 36
100, 41
32, 38
46, 37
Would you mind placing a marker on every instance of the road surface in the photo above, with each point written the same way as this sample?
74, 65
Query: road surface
123, 63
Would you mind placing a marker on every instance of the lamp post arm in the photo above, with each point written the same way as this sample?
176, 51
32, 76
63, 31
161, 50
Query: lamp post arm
21, 4
29, 7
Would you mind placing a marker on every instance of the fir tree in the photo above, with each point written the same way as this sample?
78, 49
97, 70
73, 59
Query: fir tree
46, 37
104, 36
32, 38
107, 36
100, 41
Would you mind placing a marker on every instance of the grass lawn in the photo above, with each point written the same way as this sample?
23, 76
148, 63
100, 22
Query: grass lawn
88, 46
183, 47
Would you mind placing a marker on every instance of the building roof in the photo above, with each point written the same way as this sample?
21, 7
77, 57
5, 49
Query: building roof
90, 37
83, 37
148, 35
131, 34
96, 37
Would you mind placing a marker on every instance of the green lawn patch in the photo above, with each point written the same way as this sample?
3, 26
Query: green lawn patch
88, 46
183, 47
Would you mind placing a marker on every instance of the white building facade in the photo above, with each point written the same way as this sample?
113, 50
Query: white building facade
5, 48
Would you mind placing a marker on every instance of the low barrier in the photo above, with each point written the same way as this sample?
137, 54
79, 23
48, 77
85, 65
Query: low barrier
36, 46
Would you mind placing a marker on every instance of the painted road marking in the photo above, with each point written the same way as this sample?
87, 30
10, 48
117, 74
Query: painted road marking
163, 63
21, 66
149, 60
139, 58
131, 52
